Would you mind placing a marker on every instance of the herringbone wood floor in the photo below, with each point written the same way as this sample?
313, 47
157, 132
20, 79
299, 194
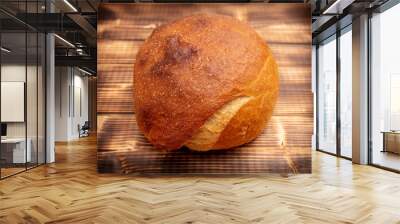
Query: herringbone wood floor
71, 191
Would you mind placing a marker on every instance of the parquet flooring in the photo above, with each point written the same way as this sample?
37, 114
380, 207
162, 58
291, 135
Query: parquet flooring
71, 191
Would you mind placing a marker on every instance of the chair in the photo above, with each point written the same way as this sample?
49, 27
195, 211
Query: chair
84, 130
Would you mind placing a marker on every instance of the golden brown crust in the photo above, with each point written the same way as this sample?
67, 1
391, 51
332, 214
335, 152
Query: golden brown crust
190, 68
251, 119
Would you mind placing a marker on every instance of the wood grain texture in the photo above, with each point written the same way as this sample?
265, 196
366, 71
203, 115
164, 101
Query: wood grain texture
285, 144
72, 191
130, 152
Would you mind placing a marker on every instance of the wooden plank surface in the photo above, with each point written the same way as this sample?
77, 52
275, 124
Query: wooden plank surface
285, 143
115, 88
124, 149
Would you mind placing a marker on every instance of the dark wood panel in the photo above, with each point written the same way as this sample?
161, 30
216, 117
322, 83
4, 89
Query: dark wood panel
285, 144
117, 51
115, 88
124, 149
266, 19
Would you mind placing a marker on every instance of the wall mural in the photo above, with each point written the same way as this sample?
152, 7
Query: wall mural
204, 88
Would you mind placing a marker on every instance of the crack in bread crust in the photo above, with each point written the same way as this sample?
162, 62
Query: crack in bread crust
209, 133
208, 136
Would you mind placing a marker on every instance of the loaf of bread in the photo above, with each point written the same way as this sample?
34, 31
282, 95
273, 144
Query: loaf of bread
205, 82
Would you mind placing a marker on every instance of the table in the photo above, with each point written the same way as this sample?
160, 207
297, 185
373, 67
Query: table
391, 141
16, 147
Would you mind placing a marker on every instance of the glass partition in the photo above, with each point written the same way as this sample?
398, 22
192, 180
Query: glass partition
22, 77
13, 94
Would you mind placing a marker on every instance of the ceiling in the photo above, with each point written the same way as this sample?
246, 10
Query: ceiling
75, 22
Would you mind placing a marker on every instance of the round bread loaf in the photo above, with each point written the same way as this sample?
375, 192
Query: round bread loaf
205, 82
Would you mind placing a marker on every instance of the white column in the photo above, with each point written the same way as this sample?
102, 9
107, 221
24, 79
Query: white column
50, 99
314, 91
360, 90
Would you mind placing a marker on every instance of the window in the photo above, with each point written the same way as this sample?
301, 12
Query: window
327, 95
385, 89
333, 137
346, 92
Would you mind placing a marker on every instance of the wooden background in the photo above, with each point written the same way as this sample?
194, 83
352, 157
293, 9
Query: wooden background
284, 146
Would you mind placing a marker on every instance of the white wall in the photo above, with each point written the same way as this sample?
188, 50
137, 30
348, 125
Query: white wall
80, 111
62, 82
71, 102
